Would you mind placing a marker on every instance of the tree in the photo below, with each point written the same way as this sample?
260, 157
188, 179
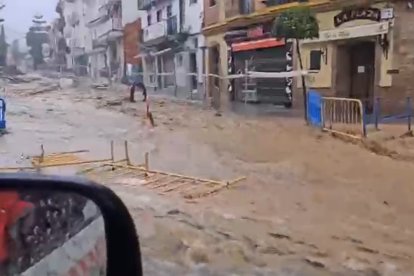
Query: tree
34, 39
297, 23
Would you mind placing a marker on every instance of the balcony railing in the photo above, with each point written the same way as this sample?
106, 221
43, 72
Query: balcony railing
161, 29
281, 2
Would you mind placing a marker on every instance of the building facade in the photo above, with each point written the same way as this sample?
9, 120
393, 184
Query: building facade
238, 38
172, 44
93, 34
75, 34
363, 50
104, 42
131, 22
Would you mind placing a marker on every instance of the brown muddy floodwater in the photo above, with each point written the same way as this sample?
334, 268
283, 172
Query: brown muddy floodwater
311, 204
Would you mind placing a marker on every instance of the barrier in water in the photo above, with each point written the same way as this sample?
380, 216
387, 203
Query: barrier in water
2, 114
344, 116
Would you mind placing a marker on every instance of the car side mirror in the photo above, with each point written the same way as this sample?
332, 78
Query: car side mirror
64, 226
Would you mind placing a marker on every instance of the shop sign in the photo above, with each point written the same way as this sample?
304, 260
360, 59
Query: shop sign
352, 32
355, 14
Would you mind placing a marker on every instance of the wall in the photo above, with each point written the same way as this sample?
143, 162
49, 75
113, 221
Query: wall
193, 16
402, 55
212, 41
392, 86
213, 14
130, 11
194, 22
72, 33
231, 8
132, 33
259, 5
163, 7
325, 78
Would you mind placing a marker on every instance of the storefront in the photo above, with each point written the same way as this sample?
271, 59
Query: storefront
353, 56
253, 49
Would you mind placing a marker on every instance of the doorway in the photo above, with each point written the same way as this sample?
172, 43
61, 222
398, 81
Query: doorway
193, 70
356, 72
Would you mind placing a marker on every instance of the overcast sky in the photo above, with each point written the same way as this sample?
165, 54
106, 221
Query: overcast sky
18, 15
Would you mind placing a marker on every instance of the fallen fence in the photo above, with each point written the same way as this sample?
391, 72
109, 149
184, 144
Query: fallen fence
124, 172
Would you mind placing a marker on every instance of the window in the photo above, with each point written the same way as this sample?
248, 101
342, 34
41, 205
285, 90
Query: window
149, 19
169, 11
193, 2
195, 42
315, 60
212, 3
159, 15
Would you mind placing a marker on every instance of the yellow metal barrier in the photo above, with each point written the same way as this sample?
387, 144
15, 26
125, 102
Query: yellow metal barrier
343, 116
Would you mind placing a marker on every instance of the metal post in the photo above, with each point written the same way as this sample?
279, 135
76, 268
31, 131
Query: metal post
322, 114
377, 112
146, 163
246, 67
156, 72
112, 151
409, 113
364, 122
127, 153
204, 72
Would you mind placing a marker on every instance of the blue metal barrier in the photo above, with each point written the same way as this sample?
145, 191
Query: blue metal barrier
2, 114
405, 114
314, 102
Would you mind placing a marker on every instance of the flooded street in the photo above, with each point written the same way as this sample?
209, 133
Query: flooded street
311, 204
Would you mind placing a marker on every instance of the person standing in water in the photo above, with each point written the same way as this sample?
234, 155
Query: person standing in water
140, 86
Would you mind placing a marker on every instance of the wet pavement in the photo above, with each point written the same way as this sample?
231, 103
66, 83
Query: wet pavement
311, 205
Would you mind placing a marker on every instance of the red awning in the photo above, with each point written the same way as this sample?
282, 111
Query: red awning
257, 44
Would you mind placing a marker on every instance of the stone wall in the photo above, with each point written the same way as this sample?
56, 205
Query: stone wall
403, 60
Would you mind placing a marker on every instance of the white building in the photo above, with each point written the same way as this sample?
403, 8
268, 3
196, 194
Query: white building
131, 12
75, 33
172, 43
93, 32
104, 43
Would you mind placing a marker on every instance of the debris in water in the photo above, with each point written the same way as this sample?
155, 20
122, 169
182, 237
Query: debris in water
279, 236
113, 103
100, 86
316, 262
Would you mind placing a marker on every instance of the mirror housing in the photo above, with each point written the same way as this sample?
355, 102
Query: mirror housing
122, 244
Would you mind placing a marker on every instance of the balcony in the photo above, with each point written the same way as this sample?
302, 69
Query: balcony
98, 43
159, 31
271, 3
233, 18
